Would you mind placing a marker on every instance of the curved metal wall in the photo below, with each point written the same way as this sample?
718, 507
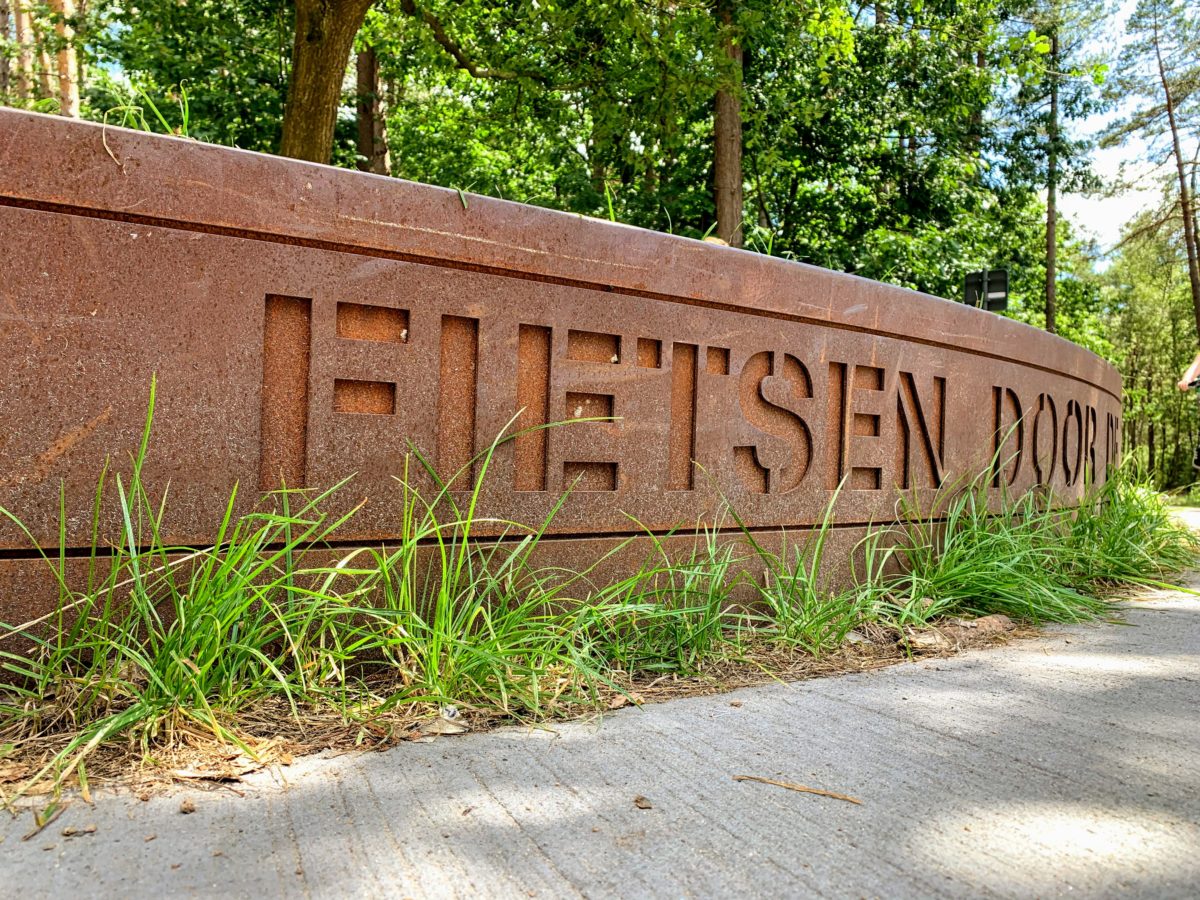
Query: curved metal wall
306, 323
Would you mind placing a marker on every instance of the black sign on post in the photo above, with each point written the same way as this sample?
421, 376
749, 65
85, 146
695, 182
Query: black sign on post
987, 290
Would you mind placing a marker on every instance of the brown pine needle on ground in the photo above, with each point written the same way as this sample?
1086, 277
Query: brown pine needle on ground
791, 786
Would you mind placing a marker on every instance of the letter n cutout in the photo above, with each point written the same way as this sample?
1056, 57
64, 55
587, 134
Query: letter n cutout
916, 417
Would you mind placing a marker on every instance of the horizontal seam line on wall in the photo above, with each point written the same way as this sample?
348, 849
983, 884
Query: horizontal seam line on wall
18, 554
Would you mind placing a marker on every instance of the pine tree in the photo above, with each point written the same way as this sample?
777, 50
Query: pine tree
1160, 67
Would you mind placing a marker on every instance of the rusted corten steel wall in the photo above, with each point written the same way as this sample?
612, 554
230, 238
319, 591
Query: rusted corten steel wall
306, 323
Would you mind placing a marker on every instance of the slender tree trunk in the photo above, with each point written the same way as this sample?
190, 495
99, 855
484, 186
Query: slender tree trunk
5, 69
1151, 461
727, 135
44, 71
1052, 192
325, 31
80, 66
976, 135
1177, 440
68, 86
1185, 193
372, 133
23, 35
1195, 211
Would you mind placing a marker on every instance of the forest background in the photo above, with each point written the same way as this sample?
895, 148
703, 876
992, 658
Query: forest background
910, 141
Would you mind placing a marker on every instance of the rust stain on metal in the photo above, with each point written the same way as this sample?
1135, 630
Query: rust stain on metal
43, 464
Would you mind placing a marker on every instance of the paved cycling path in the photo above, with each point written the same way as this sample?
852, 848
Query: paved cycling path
1064, 765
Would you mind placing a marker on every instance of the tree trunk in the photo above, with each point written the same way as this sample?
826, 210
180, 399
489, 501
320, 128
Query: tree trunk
1185, 193
44, 71
4, 66
80, 58
1195, 211
1177, 461
23, 35
372, 133
68, 86
325, 31
1052, 192
976, 135
1150, 460
727, 135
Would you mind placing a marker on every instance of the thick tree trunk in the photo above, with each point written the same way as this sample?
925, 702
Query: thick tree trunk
372, 134
727, 135
325, 31
1052, 193
68, 86
1185, 193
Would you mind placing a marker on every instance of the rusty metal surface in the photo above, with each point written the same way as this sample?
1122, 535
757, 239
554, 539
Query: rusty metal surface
307, 323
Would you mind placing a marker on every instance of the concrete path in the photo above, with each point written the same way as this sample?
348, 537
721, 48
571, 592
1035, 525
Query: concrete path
1066, 765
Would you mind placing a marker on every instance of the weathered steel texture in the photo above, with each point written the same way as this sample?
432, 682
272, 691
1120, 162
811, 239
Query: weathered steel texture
307, 323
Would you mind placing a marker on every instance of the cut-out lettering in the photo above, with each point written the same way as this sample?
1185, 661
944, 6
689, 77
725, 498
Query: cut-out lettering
369, 398
923, 423
1089, 443
364, 322
772, 390
718, 361
1072, 430
287, 336
681, 439
593, 346
1045, 427
588, 406
458, 372
1008, 436
533, 403
861, 429
649, 353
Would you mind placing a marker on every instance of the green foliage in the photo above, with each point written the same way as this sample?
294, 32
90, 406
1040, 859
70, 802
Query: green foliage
1164, 45
1080, 289
1124, 533
233, 57
140, 112
1076, 71
798, 607
672, 615
964, 556
1150, 322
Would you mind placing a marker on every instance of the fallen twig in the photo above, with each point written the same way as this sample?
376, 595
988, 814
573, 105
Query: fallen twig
797, 787
44, 818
